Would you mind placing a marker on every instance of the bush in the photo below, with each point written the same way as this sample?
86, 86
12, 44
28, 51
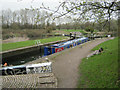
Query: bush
31, 33
89, 29
7, 36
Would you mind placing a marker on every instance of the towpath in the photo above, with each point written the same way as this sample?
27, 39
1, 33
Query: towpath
66, 64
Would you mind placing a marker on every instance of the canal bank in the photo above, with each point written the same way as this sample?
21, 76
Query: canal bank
25, 54
65, 63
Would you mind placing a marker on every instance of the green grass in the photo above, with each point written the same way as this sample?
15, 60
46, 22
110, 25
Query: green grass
100, 71
8, 46
72, 30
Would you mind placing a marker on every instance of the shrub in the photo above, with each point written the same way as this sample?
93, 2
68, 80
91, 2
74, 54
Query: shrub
31, 33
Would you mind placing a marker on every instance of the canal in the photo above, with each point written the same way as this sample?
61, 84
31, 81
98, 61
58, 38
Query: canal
24, 58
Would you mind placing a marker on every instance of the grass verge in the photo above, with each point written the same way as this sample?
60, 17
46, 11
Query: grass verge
8, 46
72, 30
100, 71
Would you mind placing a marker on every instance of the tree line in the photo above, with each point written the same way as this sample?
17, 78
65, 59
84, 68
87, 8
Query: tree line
101, 13
40, 19
26, 19
90, 26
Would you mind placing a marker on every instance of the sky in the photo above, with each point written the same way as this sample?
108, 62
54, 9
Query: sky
21, 4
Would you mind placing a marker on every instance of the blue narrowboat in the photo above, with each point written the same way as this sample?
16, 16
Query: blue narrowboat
64, 45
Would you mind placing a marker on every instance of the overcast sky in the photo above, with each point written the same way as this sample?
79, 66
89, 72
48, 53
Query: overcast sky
21, 4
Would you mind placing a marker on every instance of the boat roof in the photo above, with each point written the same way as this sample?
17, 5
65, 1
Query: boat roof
39, 64
68, 42
24, 66
12, 67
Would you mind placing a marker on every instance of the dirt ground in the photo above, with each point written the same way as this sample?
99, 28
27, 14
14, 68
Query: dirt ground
15, 39
66, 65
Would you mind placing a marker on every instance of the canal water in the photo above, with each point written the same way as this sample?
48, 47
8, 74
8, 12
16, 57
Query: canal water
24, 58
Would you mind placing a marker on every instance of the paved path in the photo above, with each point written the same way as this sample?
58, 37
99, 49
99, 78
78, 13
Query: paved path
66, 65
43, 80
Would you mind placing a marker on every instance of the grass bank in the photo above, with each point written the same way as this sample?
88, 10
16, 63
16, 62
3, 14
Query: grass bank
72, 30
100, 71
8, 46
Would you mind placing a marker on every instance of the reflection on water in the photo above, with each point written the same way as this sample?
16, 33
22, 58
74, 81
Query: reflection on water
23, 58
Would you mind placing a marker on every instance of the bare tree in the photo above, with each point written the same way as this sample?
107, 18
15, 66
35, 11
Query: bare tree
88, 10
